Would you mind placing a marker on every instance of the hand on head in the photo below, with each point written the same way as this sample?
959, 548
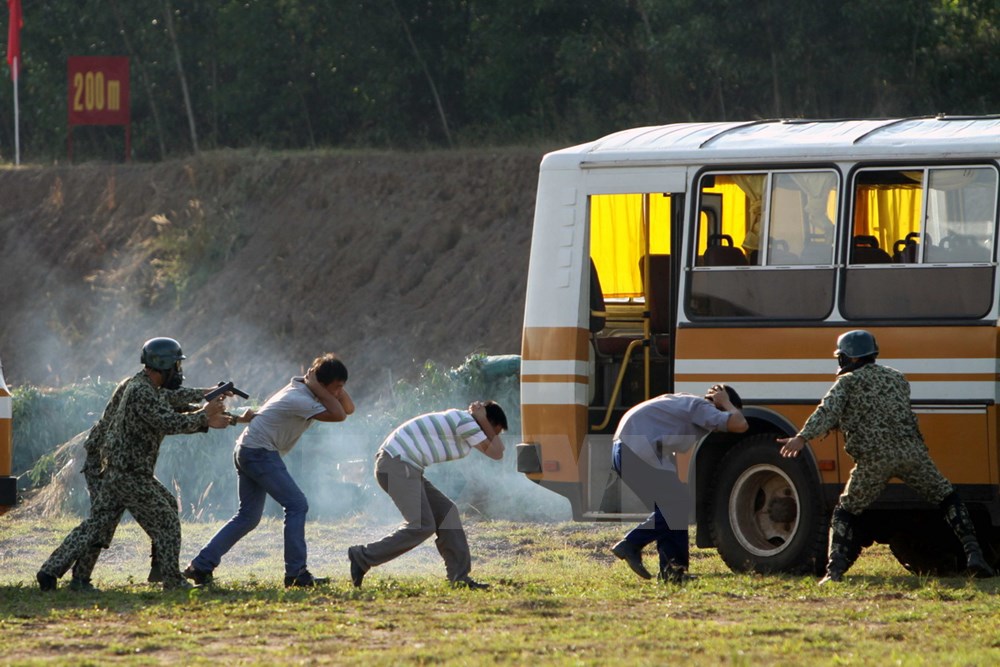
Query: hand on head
717, 394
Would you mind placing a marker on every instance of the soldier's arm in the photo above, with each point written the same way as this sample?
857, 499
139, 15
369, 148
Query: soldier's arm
157, 411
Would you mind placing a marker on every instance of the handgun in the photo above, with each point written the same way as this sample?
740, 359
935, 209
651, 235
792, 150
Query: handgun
224, 387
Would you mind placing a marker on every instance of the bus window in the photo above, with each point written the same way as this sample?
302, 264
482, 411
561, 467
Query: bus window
960, 211
940, 222
802, 209
793, 212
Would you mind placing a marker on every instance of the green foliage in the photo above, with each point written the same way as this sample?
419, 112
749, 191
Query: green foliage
188, 251
44, 419
410, 73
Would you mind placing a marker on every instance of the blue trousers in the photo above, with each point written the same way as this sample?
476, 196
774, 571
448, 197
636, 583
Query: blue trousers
261, 473
656, 488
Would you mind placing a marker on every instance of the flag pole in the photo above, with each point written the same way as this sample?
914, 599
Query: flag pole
17, 120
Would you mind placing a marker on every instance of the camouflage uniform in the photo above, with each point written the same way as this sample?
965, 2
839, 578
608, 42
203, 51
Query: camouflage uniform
127, 440
871, 406
181, 400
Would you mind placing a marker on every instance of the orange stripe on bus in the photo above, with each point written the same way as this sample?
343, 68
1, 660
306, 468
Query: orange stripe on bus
549, 343
829, 377
578, 379
819, 342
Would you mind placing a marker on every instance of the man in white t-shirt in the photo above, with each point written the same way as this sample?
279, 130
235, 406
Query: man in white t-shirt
273, 431
647, 438
399, 470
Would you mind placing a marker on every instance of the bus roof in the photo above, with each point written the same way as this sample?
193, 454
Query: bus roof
800, 139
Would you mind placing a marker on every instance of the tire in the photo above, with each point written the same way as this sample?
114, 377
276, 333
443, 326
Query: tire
767, 512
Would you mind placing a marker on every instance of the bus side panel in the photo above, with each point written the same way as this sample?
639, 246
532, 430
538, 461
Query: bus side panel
555, 348
953, 386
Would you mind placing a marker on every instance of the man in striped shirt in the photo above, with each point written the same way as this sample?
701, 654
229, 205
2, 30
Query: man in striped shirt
399, 470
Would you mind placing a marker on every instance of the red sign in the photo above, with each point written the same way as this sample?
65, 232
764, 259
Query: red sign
14, 26
98, 90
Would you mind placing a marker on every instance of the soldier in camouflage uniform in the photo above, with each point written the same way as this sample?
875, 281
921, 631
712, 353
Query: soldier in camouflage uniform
182, 400
871, 406
141, 414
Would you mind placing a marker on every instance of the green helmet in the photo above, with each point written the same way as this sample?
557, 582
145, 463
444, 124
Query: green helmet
856, 344
161, 354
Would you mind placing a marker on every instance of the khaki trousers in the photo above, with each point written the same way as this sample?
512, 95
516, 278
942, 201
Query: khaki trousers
426, 511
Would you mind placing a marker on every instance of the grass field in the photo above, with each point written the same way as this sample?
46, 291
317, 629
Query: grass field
558, 597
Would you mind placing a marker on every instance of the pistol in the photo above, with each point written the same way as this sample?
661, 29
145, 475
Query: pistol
222, 388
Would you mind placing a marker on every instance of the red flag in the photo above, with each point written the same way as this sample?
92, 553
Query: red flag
14, 37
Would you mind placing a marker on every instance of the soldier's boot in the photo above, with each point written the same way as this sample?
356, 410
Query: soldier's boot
155, 573
958, 518
844, 547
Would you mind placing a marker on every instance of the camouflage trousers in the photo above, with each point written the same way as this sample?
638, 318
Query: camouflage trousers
871, 474
84, 565
154, 509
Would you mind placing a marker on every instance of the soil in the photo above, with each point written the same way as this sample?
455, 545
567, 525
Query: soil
257, 262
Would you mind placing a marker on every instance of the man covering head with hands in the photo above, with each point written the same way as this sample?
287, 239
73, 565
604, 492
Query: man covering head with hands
643, 454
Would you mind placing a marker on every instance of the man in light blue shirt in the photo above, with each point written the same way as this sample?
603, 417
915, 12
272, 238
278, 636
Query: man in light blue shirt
647, 438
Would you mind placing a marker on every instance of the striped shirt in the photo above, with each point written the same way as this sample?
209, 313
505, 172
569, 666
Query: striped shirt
435, 437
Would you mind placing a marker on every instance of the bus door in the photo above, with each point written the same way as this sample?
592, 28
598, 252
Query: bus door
633, 306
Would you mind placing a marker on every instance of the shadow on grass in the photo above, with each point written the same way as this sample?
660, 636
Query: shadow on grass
27, 601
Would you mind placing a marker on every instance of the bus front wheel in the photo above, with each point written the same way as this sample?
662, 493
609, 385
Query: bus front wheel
767, 514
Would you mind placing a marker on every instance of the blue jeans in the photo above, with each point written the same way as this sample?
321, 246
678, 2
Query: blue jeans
261, 473
654, 487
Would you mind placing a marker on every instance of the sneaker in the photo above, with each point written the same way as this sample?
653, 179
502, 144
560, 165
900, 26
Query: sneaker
82, 585
357, 572
46, 581
470, 583
632, 555
305, 580
200, 577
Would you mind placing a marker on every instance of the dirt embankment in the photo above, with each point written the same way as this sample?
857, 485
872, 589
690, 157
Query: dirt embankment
258, 262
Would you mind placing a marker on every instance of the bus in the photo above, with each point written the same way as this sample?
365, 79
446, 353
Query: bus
8, 483
668, 258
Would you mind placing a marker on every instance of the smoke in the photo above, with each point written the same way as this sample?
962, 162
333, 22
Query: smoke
256, 267
333, 463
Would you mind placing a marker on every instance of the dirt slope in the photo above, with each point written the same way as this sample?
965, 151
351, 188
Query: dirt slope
257, 262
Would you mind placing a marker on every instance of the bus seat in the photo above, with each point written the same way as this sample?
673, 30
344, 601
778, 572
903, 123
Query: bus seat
817, 253
614, 346
780, 255
962, 248
719, 254
866, 250
906, 250
658, 300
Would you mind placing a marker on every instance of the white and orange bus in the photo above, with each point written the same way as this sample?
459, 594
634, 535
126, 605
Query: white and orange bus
665, 259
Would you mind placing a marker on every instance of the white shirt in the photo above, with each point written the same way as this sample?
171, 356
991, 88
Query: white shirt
435, 437
283, 419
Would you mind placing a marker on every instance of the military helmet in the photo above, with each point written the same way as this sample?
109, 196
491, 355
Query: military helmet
161, 354
856, 344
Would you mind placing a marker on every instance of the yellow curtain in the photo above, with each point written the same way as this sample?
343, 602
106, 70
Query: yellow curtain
887, 212
736, 209
618, 238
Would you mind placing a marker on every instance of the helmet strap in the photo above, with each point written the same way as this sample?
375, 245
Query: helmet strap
849, 365
173, 378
